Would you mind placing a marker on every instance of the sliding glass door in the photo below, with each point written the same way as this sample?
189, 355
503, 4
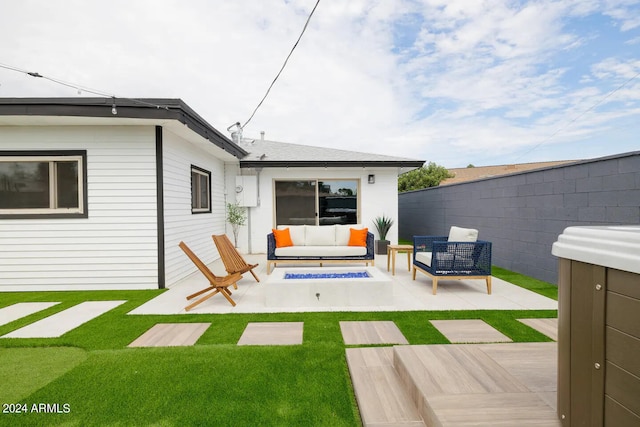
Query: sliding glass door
296, 202
338, 202
317, 202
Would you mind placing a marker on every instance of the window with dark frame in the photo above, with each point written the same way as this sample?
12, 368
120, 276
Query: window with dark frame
42, 183
200, 190
317, 201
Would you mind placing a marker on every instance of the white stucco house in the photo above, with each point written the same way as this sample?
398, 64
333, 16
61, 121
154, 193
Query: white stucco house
93, 197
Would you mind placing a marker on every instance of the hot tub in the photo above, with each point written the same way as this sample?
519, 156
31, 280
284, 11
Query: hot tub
599, 325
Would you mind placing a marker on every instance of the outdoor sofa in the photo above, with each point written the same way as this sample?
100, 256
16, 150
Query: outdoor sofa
457, 256
350, 243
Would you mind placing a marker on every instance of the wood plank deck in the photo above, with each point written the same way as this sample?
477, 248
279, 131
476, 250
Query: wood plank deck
457, 384
381, 397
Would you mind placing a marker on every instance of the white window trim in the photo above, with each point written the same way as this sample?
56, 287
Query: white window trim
52, 185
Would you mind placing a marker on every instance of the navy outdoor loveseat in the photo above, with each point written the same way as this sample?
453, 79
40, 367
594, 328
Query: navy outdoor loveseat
457, 256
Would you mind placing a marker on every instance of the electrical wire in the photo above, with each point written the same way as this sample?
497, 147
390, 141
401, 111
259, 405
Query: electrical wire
283, 65
579, 116
79, 88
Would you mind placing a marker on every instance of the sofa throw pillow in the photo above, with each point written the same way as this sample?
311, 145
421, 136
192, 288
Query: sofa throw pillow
297, 233
458, 234
343, 233
283, 238
358, 237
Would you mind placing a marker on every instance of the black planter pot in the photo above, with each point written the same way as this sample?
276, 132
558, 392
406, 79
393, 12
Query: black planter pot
381, 247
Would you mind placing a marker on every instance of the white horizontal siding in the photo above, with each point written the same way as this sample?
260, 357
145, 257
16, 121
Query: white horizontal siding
180, 224
116, 246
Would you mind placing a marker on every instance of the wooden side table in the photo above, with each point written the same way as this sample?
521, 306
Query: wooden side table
391, 256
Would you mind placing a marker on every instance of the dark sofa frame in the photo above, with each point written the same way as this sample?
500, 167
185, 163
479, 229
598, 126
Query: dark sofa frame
272, 259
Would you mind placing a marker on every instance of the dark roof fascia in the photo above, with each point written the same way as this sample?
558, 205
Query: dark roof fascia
331, 163
144, 108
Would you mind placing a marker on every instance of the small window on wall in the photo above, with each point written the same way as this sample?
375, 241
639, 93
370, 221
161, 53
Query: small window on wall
34, 184
200, 190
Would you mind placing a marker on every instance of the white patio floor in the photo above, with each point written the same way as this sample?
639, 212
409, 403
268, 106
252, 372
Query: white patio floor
408, 295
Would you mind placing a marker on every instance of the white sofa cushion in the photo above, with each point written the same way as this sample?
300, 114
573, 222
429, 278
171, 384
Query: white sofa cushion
321, 251
459, 234
425, 258
297, 233
343, 233
321, 235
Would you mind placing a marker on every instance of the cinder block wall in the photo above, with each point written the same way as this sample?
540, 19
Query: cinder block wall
523, 214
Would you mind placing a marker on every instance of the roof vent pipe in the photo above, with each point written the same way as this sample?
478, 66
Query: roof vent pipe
236, 135
261, 135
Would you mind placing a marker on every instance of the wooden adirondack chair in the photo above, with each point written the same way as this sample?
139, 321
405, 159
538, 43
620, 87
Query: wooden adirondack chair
216, 284
233, 261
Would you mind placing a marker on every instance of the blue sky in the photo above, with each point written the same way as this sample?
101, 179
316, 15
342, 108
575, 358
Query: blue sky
449, 81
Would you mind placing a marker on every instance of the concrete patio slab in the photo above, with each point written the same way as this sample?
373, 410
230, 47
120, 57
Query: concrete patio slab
408, 294
272, 333
469, 331
22, 309
548, 327
171, 335
60, 323
371, 332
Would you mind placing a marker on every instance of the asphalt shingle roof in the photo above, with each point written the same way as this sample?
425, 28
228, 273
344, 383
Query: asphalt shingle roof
278, 154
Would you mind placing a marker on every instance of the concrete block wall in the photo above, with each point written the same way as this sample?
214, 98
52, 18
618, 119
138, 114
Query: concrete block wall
523, 213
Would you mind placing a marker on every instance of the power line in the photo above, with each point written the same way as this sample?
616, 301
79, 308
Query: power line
579, 116
283, 65
77, 87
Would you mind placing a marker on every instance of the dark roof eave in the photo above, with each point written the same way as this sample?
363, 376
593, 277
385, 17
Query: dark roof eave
331, 163
145, 108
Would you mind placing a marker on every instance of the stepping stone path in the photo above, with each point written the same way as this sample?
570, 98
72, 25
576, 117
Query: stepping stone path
171, 335
548, 327
272, 333
22, 309
469, 331
371, 332
60, 323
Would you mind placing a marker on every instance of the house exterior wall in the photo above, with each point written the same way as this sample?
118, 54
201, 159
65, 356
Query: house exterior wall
180, 224
116, 246
375, 199
523, 214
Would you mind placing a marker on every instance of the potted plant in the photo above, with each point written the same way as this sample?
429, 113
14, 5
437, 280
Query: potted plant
236, 216
383, 225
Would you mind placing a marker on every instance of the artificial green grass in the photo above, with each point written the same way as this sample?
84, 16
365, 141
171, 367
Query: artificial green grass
549, 290
205, 386
25, 370
214, 382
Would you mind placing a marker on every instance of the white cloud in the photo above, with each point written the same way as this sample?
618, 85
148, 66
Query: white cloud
441, 80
